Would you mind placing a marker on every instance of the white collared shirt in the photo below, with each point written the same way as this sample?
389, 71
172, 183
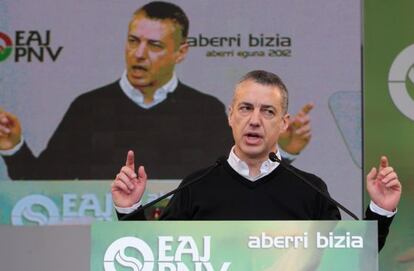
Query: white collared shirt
137, 97
241, 167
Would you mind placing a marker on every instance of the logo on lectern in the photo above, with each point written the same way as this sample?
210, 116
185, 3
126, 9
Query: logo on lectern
173, 254
116, 254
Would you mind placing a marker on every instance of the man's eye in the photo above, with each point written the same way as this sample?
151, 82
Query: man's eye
245, 108
156, 45
132, 42
268, 112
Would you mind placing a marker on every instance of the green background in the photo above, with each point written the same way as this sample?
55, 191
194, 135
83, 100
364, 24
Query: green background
388, 30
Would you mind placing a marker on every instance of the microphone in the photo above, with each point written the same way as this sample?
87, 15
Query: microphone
174, 191
273, 157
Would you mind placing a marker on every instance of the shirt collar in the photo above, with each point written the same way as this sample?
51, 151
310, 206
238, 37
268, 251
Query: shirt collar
136, 96
241, 167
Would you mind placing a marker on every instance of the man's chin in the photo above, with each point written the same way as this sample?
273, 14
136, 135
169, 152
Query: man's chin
139, 80
141, 84
254, 152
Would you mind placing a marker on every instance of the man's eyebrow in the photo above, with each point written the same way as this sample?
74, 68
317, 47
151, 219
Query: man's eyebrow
245, 103
156, 41
150, 40
264, 106
132, 36
267, 106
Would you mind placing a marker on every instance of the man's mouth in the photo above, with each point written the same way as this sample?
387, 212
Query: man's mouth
253, 138
139, 68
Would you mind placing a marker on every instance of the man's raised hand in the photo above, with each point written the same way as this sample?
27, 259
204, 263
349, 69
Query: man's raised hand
128, 186
383, 186
10, 130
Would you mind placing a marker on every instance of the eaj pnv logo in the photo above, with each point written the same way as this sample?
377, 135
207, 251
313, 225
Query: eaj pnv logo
401, 81
116, 253
28, 46
5, 46
69, 208
180, 253
37, 209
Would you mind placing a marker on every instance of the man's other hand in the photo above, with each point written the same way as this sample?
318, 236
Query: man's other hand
298, 133
10, 130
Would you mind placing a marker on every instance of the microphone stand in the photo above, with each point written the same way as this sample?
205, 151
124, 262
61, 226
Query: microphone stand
273, 157
178, 189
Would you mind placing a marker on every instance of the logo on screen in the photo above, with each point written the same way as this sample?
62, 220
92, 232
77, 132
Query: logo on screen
29, 46
401, 81
35, 209
173, 254
70, 208
5, 46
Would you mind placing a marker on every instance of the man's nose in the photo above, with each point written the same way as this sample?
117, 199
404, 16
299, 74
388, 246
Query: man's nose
255, 117
141, 50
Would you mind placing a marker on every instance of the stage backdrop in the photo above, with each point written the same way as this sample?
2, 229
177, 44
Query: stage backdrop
389, 113
314, 46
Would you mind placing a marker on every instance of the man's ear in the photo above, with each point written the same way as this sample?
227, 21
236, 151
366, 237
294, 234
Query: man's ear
181, 53
285, 122
229, 115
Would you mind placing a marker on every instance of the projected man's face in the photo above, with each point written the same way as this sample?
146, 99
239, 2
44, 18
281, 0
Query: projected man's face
153, 48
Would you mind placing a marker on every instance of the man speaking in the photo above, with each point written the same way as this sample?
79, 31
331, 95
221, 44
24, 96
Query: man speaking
250, 186
172, 126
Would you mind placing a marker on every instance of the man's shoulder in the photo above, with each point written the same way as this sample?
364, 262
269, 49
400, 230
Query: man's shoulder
186, 92
212, 171
313, 178
111, 89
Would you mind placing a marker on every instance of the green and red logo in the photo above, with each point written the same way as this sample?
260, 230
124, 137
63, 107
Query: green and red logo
28, 46
6, 49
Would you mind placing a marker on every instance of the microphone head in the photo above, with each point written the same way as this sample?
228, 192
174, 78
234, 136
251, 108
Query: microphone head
273, 157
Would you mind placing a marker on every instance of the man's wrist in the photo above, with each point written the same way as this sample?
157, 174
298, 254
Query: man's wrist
289, 156
127, 210
13, 150
380, 211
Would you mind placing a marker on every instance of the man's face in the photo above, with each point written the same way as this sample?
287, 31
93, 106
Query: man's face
152, 50
257, 119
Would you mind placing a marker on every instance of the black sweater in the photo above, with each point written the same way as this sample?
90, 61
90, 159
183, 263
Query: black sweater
224, 194
186, 131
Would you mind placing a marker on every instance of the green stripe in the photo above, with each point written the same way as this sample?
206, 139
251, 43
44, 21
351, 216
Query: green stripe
5, 53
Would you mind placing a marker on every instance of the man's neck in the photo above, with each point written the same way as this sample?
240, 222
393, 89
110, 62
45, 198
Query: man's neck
148, 91
149, 95
254, 166
253, 163
251, 169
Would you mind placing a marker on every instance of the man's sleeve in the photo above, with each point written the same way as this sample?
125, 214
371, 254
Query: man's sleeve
136, 217
21, 165
66, 155
384, 224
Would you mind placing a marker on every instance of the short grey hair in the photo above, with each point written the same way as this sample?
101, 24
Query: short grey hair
268, 79
160, 10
